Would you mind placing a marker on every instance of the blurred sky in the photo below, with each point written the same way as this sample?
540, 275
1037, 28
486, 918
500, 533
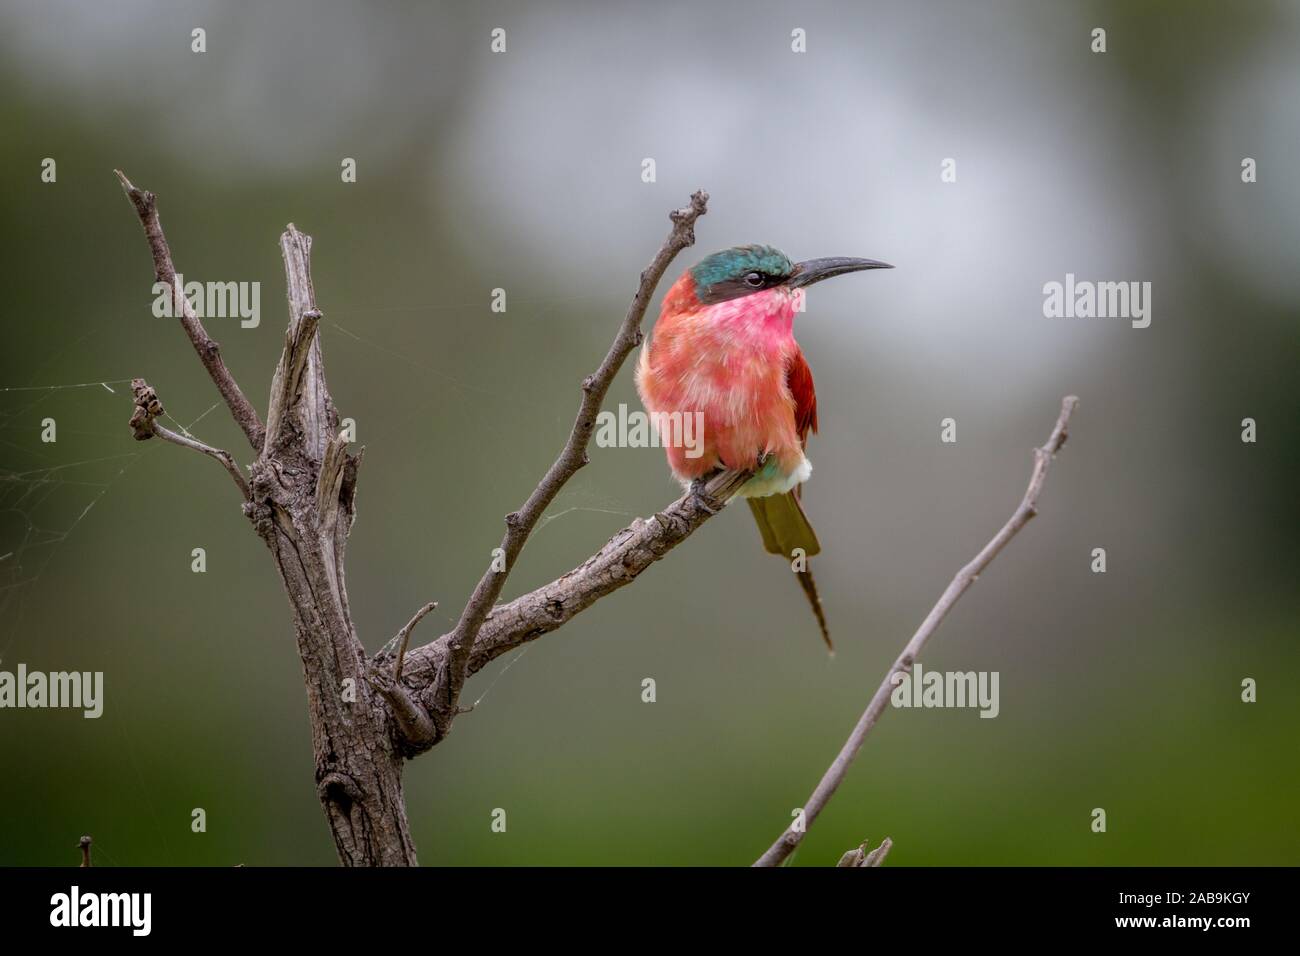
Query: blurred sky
522, 170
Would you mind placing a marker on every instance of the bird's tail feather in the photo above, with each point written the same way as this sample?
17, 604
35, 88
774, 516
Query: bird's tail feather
785, 527
810, 589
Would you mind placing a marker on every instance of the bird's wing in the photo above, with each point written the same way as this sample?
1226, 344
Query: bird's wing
781, 519
798, 378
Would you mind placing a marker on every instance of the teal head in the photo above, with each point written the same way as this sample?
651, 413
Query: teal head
744, 270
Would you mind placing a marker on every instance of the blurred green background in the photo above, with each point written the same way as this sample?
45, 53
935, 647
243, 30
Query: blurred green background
522, 170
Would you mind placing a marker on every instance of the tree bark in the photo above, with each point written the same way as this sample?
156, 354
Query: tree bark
303, 505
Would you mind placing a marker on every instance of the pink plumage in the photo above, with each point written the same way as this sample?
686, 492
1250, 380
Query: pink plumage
736, 362
723, 355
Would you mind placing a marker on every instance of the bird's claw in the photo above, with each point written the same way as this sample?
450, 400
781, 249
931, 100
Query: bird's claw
701, 498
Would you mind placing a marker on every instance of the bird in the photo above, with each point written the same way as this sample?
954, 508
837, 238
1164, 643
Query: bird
723, 350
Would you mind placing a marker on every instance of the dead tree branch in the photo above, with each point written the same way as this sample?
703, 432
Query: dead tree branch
209, 352
148, 407
404, 636
786, 844
614, 566
519, 524
300, 498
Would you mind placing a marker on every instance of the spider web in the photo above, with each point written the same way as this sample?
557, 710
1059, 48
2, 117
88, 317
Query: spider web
44, 497
47, 492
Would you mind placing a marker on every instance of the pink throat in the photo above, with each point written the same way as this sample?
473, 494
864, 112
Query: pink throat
767, 315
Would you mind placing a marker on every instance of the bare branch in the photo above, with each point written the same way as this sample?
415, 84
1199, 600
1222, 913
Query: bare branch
404, 637
834, 776
222, 456
614, 566
519, 524
147, 408
209, 352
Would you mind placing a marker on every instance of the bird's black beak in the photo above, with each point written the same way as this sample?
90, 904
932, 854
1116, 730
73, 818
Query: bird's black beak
814, 270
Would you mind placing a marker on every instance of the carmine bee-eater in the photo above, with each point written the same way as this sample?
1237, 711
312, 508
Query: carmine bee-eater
724, 347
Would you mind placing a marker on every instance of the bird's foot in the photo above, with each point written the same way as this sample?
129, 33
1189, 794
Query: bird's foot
701, 498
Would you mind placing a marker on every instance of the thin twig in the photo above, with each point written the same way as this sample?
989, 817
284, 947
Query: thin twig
146, 207
519, 524
404, 637
834, 776
145, 425
224, 457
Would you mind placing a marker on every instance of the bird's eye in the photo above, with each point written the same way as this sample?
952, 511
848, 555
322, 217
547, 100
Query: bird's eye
754, 279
